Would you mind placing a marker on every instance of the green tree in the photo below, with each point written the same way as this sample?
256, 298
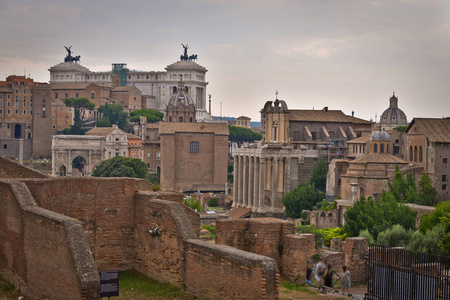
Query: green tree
427, 243
103, 122
398, 187
115, 114
240, 135
319, 175
427, 191
77, 104
428, 222
153, 116
379, 216
120, 166
304, 197
396, 236
401, 128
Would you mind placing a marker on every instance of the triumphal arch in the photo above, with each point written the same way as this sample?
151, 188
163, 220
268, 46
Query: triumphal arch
76, 155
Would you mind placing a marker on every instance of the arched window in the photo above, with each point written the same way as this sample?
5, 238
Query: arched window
415, 153
381, 148
375, 148
420, 154
194, 147
410, 153
387, 148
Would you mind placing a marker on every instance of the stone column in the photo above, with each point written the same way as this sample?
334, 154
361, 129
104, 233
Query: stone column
287, 175
89, 170
69, 164
21, 152
241, 181
274, 183
235, 181
54, 164
256, 184
262, 183
245, 182
250, 180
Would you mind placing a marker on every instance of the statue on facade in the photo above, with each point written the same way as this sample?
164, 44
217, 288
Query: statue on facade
69, 57
185, 56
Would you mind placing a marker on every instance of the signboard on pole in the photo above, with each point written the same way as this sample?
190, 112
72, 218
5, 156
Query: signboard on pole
109, 283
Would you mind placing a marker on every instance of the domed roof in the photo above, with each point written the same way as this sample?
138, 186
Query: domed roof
380, 136
181, 96
393, 115
68, 66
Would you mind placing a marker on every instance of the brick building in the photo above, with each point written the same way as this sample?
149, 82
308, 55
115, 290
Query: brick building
24, 115
427, 143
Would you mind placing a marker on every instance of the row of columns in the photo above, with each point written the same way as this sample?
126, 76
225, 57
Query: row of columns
253, 175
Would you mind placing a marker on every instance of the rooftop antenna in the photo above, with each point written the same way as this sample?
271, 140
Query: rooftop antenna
276, 94
220, 111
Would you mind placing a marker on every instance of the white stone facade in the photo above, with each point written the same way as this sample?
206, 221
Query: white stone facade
157, 87
65, 148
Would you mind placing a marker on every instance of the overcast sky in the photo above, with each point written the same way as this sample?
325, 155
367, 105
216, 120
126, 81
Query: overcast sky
345, 54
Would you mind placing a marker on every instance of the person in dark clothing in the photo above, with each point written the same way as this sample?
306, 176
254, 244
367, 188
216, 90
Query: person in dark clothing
308, 273
328, 277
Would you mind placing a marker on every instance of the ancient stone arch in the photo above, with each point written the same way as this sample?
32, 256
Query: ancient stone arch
65, 148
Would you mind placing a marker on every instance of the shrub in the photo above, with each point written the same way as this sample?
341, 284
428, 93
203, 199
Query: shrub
331, 233
365, 233
427, 243
396, 236
211, 229
212, 202
193, 204
311, 229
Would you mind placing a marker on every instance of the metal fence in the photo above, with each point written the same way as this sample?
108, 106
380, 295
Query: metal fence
396, 273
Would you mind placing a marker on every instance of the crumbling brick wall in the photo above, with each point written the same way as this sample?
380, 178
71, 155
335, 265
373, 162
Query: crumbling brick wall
44, 253
297, 250
11, 169
167, 249
355, 248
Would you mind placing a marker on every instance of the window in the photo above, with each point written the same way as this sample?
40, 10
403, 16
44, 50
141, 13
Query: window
444, 178
24, 104
16, 104
181, 119
1, 111
54, 126
444, 187
1, 103
396, 141
77, 94
9, 104
410, 153
5, 146
1, 96
9, 111
67, 94
158, 155
92, 96
17, 111
396, 150
9, 96
194, 147
24, 98
375, 148
24, 111
382, 148
444, 160
31, 111
17, 98
56, 95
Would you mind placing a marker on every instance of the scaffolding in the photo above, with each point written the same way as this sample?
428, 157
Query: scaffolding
121, 70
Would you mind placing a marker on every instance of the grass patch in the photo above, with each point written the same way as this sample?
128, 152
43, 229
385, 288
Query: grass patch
296, 287
134, 285
7, 287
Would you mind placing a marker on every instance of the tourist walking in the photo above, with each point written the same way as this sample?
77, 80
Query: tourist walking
328, 277
308, 273
320, 271
346, 283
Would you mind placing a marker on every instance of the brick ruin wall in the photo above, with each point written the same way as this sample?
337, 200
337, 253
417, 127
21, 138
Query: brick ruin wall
11, 169
176, 255
291, 251
115, 220
43, 253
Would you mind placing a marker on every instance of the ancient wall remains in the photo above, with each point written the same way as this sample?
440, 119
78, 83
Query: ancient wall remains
167, 249
105, 207
43, 253
11, 169
243, 275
